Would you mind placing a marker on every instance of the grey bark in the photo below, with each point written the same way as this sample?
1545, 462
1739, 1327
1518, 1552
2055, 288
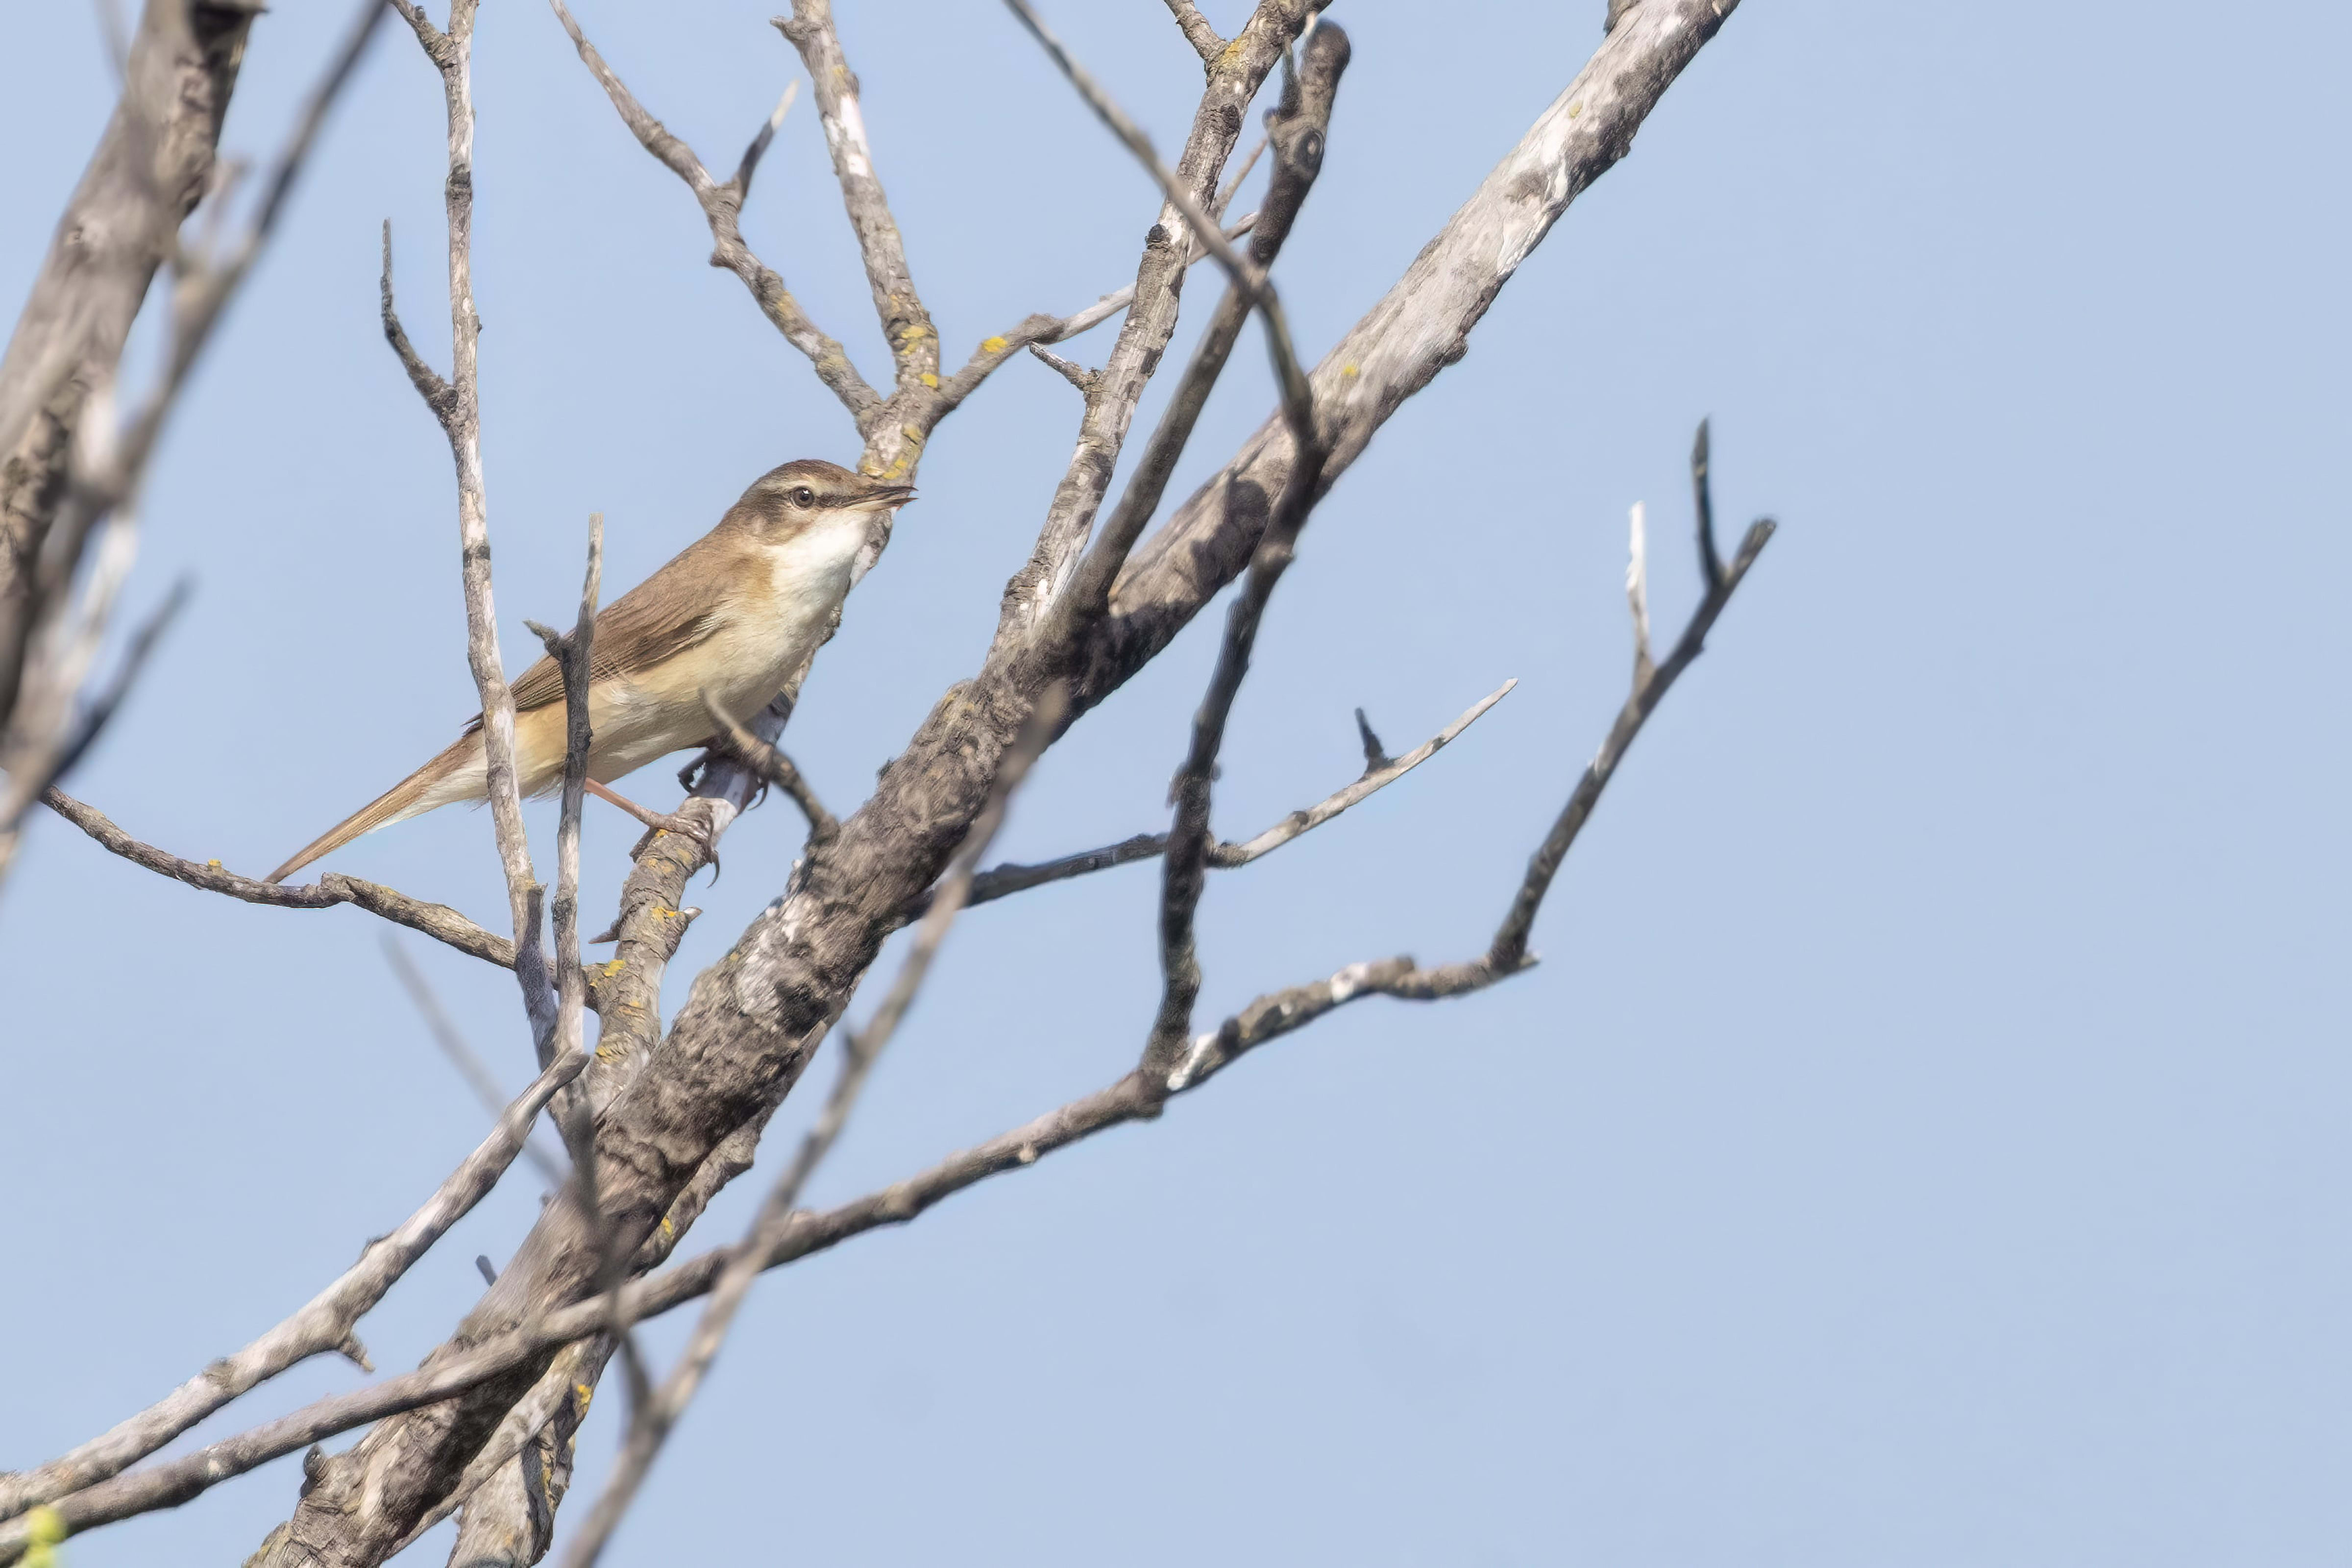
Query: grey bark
151, 166
744, 1034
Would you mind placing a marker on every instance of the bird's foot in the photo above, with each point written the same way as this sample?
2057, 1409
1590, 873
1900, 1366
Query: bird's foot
693, 825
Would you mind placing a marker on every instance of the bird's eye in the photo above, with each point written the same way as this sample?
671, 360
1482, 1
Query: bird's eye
804, 498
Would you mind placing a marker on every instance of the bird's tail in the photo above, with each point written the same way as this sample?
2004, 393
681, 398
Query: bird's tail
456, 774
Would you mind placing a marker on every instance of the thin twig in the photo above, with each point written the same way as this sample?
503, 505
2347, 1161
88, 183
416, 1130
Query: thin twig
723, 210
1036, 330
1710, 563
1297, 400
655, 1421
135, 660
905, 324
1001, 881
574, 657
324, 1323
758, 147
107, 469
1296, 130
462, 1056
1298, 143
437, 921
1508, 953
1197, 31
457, 405
771, 767
1112, 303
1422, 327
1637, 591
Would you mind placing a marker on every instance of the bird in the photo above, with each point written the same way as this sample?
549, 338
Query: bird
723, 624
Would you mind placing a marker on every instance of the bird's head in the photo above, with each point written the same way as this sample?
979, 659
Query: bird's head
810, 498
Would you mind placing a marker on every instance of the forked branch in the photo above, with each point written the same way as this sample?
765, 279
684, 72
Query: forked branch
801, 1234
1003, 881
457, 405
723, 210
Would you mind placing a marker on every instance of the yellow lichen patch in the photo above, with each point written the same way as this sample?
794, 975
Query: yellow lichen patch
929, 380
668, 1227
44, 1527
993, 345
614, 967
1576, 109
584, 1394
214, 865
1349, 370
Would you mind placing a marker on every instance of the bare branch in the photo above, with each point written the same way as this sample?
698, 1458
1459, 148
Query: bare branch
1111, 304
437, 921
914, 342
782, 1236
1001, 881
1035, 330
722, 208
1297, 128
1710, 565
33, 775
1510, 948
1296, 400
457, 408
323, 1324
1197, 31
574, 656
1412, 334
1637, 592
771, 767
758, 147
724, 1065
860, 1048
56, 400
150, 169
462, 1056
1076, 375
1233, 79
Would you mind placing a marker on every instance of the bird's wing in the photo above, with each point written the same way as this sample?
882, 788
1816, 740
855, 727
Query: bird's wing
650, 625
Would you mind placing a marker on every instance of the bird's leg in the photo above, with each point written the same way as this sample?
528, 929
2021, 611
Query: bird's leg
685, 827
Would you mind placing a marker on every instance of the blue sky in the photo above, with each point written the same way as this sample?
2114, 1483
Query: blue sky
1926, 1137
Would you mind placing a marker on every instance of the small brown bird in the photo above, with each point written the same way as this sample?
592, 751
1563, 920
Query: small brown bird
732, 615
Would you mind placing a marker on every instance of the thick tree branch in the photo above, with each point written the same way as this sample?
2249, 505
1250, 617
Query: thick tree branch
151, 166
1420, 327
653, 1420
68, 473
1297, 128
741, 1037
325, 1323
1233, 79
783, 1236
1197, 31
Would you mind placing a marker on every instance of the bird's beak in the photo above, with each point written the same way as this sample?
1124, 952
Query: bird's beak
889, 497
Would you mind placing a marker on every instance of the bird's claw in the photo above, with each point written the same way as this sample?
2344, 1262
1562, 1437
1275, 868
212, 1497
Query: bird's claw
692, 826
